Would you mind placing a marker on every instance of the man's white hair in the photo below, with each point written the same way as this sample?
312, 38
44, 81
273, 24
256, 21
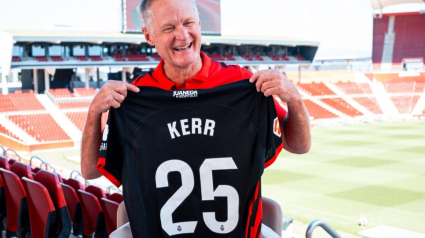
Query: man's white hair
146, 11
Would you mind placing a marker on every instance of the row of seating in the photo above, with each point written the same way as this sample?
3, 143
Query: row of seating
78, 118
354, 88
316, 111
5, 131
405, 103
73, 104
19, 101
40, 202
41, 127
404, 87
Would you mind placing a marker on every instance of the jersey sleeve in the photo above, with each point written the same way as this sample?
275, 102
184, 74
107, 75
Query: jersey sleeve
273, 133
111, 149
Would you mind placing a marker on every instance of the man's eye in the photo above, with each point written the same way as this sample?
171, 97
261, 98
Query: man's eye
169, 29
189, 23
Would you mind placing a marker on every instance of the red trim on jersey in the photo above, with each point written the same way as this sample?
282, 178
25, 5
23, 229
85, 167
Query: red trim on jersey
271, 161
251, 231
104, 172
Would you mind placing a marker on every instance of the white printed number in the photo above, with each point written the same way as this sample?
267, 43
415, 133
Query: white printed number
207, 191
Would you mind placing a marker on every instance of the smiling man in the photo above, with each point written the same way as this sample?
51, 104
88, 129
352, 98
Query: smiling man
154, 134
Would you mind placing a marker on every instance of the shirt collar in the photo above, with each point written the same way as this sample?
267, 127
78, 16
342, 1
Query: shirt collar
164, 83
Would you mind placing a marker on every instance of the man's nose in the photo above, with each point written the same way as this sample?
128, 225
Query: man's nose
181, 33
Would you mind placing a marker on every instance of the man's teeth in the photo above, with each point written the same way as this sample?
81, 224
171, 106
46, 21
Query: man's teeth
183, 47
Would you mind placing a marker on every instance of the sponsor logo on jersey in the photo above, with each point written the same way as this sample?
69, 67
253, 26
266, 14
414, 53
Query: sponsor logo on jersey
104, 145
276, 127
105, 133
185, 94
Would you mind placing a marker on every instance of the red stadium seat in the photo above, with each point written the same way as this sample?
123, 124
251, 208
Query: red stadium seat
3, 213
75, 184
21, 170
116, 197
109, 209
92, 214
41, 209
74, 209
51, 182
16, 205
98, 192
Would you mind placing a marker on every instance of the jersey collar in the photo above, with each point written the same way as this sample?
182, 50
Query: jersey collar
164, 83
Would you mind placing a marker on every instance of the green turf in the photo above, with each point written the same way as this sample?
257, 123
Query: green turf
375, 169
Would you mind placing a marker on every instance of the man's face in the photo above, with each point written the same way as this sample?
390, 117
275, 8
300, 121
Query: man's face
175, 30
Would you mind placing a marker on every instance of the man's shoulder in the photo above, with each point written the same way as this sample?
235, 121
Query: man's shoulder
228, 72
145, 80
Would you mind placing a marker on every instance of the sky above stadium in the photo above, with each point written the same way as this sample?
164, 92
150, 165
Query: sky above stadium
343, 27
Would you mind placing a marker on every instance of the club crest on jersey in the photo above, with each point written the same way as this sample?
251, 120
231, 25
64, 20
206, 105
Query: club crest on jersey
276, 127
185, 94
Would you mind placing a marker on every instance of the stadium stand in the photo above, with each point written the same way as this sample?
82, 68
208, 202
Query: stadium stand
409, 37
369, 103
316, 111
137, 57
354, 88
404, 87
342, 106
316, 89
380, 27
119, 57
73, 104
96, 58
41, 58
7, 132
78, 118
42, 127
19, 101
84, 92
56, 58
405, 103
16, 59
81, 57
61, 93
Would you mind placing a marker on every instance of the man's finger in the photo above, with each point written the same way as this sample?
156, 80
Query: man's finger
267, 85
118, 97
132, 88
255, 76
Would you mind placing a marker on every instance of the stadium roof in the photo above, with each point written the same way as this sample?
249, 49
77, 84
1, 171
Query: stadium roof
58, 37
379, 4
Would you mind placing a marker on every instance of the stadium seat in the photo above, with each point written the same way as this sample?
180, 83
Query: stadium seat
98, 192
21, 170
74, 209
3, 213
75, 184
109, 209
51, 182
116, 197
17, 223
41, 209
272, 215
92, 214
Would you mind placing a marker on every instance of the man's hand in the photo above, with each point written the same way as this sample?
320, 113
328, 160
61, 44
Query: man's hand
112, 94
273, 82
295, 126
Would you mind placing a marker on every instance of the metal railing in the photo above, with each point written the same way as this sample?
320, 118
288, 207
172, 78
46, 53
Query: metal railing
325, 227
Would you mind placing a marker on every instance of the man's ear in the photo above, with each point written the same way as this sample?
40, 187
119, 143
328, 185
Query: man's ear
148, 36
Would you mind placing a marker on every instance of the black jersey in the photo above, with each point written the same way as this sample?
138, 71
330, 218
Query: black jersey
190, 161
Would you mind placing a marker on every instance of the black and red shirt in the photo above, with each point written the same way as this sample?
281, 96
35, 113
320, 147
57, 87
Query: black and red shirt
190, 161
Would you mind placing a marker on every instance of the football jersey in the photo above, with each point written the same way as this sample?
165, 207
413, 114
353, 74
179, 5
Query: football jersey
190, 161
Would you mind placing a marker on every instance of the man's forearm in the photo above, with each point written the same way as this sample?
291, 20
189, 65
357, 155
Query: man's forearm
297, 128
90, 145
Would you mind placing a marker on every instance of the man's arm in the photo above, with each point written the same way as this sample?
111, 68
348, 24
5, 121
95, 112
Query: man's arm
295, 126
112, 94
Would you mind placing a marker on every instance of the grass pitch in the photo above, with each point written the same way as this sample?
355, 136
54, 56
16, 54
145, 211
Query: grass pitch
377, 170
